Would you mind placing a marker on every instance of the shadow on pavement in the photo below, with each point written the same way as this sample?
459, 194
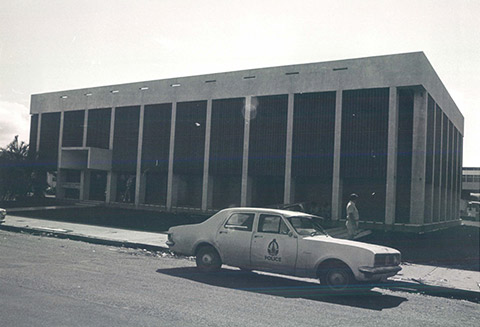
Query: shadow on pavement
277, 286
439, 291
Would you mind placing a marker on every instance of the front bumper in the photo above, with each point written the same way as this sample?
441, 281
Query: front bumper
387, 271
170, 241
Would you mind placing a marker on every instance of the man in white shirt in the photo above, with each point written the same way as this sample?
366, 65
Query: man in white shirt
352, 217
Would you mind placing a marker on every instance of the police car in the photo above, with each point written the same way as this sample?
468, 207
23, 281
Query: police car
284, 242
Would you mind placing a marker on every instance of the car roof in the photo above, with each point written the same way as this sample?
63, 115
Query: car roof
285, 213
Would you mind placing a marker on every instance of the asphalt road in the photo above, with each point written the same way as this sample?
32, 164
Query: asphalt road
51, 282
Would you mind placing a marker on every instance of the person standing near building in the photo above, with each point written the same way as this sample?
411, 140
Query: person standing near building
352, 216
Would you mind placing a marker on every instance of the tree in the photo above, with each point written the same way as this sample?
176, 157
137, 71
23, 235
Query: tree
15, 171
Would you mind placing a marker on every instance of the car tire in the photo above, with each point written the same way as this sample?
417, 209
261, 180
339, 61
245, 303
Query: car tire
336, 277
208, 259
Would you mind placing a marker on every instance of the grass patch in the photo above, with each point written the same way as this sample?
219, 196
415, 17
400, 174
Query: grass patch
141, 220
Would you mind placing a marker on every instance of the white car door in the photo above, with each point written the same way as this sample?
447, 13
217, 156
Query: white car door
234, 239
274, 246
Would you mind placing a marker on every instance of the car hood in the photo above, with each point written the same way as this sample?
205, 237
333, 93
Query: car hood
367, 246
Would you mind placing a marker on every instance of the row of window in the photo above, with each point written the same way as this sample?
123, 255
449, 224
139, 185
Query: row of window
471, 178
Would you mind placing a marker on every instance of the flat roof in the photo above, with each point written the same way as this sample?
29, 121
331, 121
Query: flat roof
398, 70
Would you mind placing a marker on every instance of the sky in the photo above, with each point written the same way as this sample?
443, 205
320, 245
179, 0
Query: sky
53, 45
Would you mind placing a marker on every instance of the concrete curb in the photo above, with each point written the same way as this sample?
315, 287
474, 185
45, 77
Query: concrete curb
393, 285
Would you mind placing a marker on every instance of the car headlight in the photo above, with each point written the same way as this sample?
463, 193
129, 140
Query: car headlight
390, 259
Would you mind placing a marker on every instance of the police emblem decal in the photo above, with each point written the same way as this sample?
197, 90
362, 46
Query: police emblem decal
273, 248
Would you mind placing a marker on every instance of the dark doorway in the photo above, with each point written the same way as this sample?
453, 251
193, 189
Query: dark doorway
98, 185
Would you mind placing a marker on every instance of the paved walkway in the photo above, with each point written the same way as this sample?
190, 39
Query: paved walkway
422, 278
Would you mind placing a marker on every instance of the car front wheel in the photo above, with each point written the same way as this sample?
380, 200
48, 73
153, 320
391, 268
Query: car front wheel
208, 259
337, 277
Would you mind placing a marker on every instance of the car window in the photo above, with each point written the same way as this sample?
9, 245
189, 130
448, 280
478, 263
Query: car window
306, 225
272, 224
240, 221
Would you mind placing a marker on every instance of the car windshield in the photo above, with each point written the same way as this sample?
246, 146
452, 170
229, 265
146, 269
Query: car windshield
307, 225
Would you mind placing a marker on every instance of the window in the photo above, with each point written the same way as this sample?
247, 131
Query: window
306, 225
272, 224
240, 221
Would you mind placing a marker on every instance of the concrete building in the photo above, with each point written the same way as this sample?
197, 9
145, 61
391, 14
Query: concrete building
471, 181
383, 127
470, 198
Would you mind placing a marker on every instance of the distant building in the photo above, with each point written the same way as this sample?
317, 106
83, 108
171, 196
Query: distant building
471, 181
470, 199
383, 127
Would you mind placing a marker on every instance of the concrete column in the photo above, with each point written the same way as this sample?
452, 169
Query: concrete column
451, 148
430, 193
142, 188
445, 149
419, 145
452, 176
85, 128
459, 172
246, 139
39, 126
206, 158
111, 176
112, 128
336, 183
437, 212
85, 185
138, 178
85, 174
170, 158
390, 204
59, 191
60, 138
111, 195
287, 195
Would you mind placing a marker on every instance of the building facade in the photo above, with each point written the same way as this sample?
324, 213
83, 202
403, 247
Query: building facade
383, 127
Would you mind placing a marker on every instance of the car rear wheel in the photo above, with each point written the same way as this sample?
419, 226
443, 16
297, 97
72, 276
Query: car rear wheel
337, 277
208, 259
